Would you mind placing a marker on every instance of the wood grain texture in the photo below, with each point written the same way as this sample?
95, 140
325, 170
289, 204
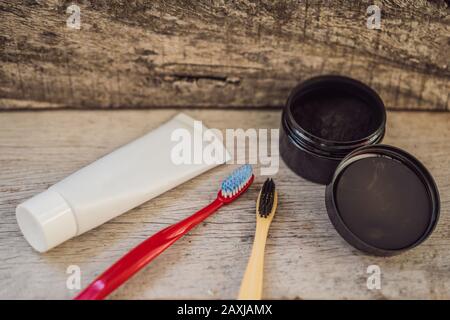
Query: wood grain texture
305, 257
218, 53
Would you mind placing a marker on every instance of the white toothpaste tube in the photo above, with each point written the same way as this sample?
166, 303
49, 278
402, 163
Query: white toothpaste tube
110, 186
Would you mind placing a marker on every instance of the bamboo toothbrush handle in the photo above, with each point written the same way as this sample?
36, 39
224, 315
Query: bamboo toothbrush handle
252, 283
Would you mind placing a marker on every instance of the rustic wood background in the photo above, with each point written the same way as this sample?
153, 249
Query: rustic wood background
218, 53
305, 257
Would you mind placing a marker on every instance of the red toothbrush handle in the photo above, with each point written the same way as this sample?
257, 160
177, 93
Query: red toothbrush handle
141, 255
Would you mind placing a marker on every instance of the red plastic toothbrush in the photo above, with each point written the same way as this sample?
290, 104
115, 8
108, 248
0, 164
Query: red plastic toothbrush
232, 187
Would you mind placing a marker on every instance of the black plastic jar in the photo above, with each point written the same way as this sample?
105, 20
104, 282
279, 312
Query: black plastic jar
326, 118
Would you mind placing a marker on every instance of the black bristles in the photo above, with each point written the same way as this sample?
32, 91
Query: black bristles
266, 198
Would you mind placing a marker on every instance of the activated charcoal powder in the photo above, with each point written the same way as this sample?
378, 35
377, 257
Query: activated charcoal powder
336, 114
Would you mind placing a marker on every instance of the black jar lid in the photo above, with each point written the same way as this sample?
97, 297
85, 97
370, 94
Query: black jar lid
382, 200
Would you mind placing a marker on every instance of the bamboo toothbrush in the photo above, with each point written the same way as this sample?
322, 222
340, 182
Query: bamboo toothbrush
266, 205
232, 187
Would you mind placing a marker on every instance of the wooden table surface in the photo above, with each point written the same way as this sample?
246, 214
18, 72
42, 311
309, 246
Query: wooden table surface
305, 256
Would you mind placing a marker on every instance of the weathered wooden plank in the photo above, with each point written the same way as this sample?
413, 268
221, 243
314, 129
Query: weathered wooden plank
305, 257
218, 53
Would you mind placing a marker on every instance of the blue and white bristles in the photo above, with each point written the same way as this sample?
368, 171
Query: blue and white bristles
236, 181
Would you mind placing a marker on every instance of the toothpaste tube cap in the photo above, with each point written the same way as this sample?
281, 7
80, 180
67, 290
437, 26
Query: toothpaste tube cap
46, 220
